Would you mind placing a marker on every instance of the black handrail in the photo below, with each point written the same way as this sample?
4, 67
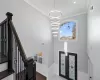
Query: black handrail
9, 17
3, 21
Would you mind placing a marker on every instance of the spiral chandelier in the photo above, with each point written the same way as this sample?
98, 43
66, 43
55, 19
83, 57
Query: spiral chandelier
55, 17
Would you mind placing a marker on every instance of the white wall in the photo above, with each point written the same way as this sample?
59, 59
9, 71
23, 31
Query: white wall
4, 8
94, 37
51, 54
79, 46
33, 29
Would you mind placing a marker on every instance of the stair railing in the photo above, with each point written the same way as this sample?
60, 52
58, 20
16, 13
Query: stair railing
25, 68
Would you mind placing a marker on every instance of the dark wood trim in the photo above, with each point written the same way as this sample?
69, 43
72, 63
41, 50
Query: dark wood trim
3, 22
10, 48
10, 42
74, 54
29, 69
2, 39
28, 63
22, 53
67, 67
3, 53
9, 15
5, 73
34, 70
4, 62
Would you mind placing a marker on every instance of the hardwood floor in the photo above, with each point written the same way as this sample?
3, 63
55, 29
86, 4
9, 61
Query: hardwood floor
40, 77
20, 76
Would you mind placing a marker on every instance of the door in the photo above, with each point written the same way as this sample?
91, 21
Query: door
72, 66
62, 64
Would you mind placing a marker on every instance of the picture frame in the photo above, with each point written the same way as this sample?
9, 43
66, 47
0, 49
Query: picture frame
64, 22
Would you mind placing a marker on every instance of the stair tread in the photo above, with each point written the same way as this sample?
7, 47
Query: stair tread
5, 73
3, 58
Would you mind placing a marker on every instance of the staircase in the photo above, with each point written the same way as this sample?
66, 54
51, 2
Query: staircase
12, 53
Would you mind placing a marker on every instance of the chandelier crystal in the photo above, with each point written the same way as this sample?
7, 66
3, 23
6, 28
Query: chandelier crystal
55, 17
55, 14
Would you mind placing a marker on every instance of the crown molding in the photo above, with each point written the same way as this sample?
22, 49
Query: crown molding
33, 6
74, 15
39, 10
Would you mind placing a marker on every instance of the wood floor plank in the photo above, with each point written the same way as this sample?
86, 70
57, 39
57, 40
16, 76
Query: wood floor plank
40, 77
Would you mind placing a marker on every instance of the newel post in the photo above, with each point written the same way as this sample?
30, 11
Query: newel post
9, 15
10, 42
30, 72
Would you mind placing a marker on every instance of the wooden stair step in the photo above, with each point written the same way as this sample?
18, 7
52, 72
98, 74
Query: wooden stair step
5, 73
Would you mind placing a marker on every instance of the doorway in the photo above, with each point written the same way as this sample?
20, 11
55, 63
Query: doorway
68, 65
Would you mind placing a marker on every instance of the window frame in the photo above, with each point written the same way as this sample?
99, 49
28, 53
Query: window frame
65, 21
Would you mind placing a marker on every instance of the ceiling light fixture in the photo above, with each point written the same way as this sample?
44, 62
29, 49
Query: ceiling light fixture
54, 32
55, 13
55, 35
74, 2
55, 28
55, 17
55, 23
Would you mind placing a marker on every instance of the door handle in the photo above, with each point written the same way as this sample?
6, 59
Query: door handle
90, 77
72, 67
62, 64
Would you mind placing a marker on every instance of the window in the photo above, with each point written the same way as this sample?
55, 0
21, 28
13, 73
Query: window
67, 31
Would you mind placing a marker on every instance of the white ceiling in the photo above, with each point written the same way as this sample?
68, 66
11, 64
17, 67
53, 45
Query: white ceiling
67, 7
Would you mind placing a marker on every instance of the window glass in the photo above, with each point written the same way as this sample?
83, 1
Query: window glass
67, 31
